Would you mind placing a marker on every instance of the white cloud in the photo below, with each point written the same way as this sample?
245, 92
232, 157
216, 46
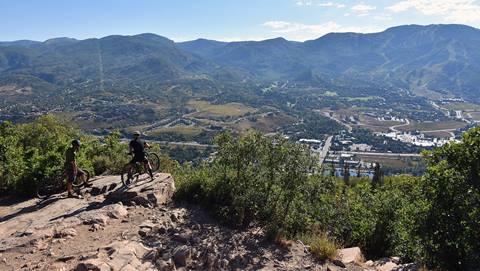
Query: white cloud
452, 11
362, 8
301, 32
331, 4
319, 4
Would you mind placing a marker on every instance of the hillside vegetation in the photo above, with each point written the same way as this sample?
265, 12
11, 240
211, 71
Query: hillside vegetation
261, 181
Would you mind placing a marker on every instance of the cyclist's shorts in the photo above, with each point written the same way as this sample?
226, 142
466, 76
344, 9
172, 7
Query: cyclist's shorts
71, 176
139, 159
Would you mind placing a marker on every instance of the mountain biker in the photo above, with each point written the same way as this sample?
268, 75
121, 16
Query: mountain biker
137, 148
71, 167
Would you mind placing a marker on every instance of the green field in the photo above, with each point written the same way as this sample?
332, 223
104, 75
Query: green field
433, 126
207, 110
265, 124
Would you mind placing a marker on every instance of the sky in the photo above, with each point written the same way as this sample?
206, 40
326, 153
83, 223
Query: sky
226, 20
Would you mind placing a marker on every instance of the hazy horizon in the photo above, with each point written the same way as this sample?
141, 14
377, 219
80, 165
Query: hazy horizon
295, 20
179, 41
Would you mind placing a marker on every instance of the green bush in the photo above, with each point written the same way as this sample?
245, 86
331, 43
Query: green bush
252, 179
269, 181
450, 231
35, 152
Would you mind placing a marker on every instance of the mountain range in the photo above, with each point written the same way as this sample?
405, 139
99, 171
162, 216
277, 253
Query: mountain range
436, 58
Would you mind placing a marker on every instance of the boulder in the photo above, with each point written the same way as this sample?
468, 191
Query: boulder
395, 260
117, 211
145, 192
69, 232
99, 219
93, 265
332, 267
183, 238
181, 255
127, 255
165, 265
386, 266
39, 244
144, 232
350, 255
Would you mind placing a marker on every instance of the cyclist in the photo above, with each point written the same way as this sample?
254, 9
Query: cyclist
71, 167
137, 147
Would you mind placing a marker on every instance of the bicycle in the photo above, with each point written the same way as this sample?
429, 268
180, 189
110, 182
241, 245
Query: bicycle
57, 183
131, 173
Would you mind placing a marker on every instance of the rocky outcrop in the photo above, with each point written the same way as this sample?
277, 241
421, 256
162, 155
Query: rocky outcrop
131, 228
351, 255
58, 215
149, 194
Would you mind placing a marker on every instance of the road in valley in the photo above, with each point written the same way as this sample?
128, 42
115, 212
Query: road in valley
389, 154
394, 128
324, 152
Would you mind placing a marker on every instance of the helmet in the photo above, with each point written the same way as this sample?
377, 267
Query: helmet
76, 142
136, 133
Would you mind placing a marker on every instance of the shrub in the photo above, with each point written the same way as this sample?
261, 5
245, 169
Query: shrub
252, 179
450, 231
34, 152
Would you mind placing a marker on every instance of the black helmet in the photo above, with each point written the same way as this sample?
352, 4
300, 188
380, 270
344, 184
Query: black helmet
76, 142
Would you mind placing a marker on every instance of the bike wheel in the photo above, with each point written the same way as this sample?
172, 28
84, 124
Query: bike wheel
43, 191
46, 188
124, 174
81, 179
154, 161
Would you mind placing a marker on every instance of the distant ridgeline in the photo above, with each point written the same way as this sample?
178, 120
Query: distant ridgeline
439, 58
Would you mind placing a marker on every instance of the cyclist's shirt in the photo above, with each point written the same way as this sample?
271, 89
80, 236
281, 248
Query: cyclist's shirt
138, 147
69, 158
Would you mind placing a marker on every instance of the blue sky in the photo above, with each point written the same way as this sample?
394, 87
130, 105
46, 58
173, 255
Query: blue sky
222, 19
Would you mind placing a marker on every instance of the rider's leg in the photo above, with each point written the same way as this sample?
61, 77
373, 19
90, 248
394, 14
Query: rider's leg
129, 170
69, 188
148, 168
70, 179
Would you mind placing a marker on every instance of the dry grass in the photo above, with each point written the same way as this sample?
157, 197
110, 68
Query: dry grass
321, 246
283, 242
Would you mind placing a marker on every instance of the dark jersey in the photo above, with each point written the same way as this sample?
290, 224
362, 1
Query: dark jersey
69, 158
138, 147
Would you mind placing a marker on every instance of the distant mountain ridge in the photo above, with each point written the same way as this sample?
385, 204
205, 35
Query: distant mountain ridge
440, 58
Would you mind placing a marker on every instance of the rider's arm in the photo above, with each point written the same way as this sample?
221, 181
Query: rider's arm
146, 145
74, 166
130, 149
